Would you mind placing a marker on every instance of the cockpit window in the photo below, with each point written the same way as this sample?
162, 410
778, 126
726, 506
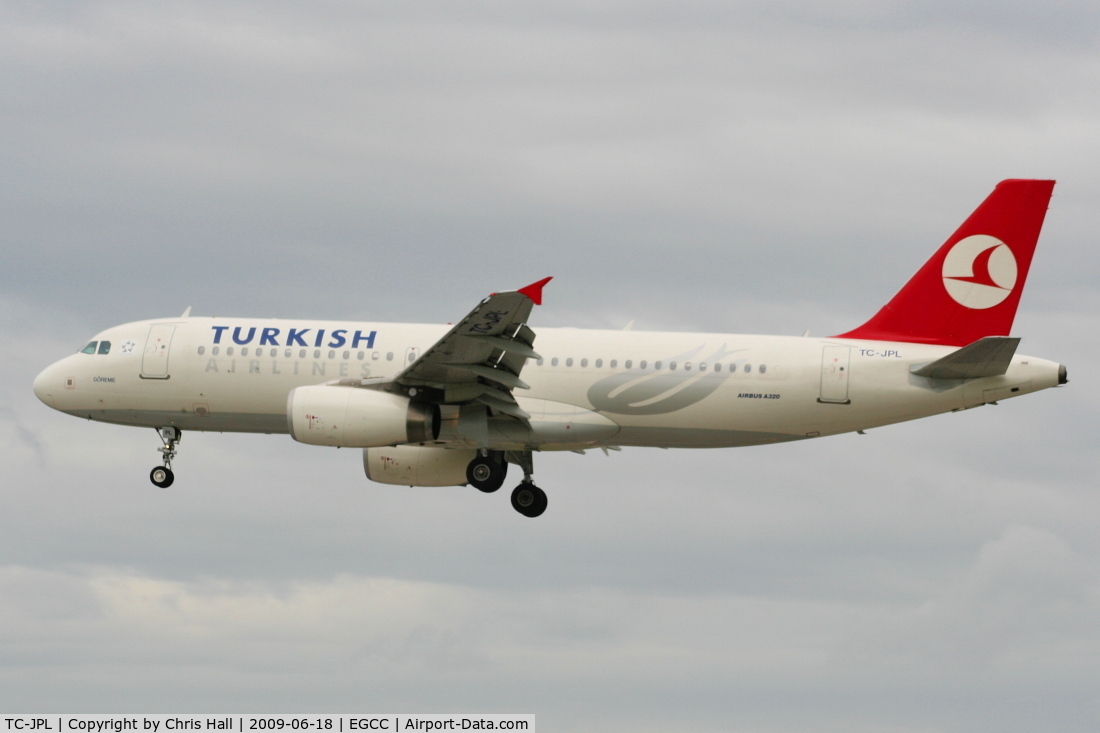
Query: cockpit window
90, 348
105, 347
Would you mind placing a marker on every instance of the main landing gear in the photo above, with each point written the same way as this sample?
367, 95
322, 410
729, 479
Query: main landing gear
487, 473
527, 499
162, 476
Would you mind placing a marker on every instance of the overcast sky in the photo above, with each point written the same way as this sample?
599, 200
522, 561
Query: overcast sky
741, 167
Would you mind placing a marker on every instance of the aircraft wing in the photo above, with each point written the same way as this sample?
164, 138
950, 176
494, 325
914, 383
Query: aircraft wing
987, 357
481, 358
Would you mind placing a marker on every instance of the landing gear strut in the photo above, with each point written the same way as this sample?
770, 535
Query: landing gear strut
487, 471
527, 499
162, 476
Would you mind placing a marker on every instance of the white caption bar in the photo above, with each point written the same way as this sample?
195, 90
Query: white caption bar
212, 723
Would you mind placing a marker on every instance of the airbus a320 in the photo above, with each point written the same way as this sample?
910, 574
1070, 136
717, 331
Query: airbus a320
440, 405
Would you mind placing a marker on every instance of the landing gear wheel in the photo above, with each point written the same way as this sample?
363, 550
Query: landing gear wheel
529, 500
162, 476
485, 474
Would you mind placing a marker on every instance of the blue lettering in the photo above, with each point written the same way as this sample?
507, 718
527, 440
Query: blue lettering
218, 333
237, 335
294, 337
320, 337
338, 338
267, 337
369, 338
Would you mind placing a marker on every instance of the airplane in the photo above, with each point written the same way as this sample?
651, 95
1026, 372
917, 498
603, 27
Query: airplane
442, 405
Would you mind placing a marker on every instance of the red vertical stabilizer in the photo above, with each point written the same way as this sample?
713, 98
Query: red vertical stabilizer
972, 285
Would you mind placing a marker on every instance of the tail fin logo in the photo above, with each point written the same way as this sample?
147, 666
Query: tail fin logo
979, 272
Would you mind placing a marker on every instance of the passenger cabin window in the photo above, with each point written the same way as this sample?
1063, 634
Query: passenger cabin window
762, 368
202, 350
104, 347
90, 348
569, 361
629, 363
614, 363
584, 362
554, 361
641, 364
657, 365
748, 368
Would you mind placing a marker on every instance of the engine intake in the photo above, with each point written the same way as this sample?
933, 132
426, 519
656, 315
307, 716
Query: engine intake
350, 417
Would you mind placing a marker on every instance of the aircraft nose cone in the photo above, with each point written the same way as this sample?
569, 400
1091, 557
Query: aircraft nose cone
44, 386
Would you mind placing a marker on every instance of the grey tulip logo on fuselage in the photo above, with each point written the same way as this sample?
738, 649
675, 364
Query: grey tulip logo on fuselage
658, 391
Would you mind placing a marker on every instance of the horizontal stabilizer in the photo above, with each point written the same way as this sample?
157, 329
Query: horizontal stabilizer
988, 357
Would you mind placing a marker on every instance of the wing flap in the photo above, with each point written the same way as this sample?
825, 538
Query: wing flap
496, 374
509, 345
508, 407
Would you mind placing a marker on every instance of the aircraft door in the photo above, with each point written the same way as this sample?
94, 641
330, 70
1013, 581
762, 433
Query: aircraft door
154, 362
834, 374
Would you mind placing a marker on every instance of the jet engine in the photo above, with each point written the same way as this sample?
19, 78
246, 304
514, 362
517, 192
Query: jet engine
414, 465
351, 417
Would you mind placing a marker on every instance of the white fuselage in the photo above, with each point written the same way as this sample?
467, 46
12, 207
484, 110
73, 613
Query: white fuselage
688, 390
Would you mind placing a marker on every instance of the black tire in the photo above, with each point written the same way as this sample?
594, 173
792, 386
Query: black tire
529, 500
485, 474
162, 477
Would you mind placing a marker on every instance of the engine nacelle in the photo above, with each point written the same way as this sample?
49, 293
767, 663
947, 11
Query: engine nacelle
414, 465
350, 417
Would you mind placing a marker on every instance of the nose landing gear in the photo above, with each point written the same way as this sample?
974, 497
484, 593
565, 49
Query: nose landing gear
162, 476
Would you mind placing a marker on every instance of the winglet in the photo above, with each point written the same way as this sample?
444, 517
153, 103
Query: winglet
534, 290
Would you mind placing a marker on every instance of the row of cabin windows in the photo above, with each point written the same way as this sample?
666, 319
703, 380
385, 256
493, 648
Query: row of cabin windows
97, 347
289, 353
657, 365
375, 356
104, 347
